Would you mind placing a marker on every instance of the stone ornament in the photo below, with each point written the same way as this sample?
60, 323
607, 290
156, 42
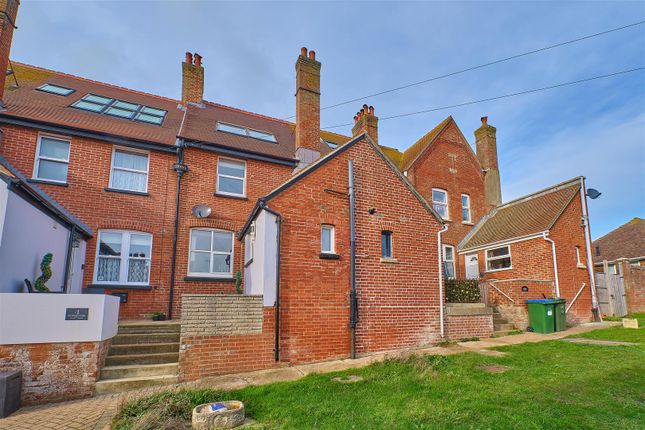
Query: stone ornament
233, 416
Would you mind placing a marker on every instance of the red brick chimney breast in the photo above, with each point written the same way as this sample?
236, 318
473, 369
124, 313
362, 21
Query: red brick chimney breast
307, 107
486, 143
366, 122
192, 79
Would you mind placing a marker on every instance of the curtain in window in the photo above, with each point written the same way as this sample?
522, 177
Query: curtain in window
108, 270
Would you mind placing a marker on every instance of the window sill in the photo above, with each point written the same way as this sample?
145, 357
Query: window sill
498, 270
45, 181
389, 260
467, 223
229, 196
581, 266
329, 256
209, 279
136, 193
119, 286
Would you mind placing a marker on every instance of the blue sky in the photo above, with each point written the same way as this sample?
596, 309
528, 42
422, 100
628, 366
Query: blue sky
595, 129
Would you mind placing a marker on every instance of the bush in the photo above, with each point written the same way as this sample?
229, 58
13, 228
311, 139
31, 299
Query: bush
462, 291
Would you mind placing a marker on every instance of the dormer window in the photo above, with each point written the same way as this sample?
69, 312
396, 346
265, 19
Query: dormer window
244, 131
55, 89
120, 109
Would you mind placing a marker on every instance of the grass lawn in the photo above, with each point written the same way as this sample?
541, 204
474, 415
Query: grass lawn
547, 385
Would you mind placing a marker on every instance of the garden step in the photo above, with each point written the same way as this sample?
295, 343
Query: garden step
161, 337
503, 332
502, 327
156, 358
139, 370
143, 348
142, 328
125, 384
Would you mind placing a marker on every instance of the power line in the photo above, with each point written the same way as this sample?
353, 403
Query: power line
519, 93
512, 57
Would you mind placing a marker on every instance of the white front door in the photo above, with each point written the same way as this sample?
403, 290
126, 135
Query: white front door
472, 266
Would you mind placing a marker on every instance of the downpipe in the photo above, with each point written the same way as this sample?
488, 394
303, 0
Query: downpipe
180, 168
555, 262
585, 224
353, 298
441, 295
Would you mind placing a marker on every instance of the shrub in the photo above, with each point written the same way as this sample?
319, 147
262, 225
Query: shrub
46, 273
462, 291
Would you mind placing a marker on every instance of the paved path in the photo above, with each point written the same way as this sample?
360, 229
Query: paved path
96, 413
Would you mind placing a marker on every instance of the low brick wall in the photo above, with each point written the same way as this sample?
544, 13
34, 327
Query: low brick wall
516, 312
634, 281
222, 334
54, 372
468, 320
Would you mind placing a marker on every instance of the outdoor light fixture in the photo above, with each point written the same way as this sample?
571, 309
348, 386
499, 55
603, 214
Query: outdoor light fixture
593, 193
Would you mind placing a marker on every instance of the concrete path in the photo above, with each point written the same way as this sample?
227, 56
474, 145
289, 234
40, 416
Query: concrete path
96, 413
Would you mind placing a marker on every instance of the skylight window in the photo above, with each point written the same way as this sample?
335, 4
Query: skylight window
243, 131
120, 109
55, 89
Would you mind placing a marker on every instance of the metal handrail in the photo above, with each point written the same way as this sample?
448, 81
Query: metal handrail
576, 296
501, 292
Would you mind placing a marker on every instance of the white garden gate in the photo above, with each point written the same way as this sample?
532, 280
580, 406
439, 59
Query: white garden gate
611, 294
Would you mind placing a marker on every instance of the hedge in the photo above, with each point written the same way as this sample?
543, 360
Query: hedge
462, 291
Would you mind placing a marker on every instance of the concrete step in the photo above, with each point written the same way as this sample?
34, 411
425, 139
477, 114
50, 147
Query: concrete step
156, 358
143, 348
157, 327
139, 371
125, 384
502, 327
161, 337
502, 332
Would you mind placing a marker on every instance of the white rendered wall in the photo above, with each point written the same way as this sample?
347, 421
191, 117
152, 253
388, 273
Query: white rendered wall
260, 274
29, 234
40, 318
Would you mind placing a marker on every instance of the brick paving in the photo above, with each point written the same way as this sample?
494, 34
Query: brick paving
96, 413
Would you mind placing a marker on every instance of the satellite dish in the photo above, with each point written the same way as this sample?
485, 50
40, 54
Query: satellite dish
201, 211
593, 193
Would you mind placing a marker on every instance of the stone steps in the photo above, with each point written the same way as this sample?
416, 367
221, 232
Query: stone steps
503, 327
138, 370
142, 354
125, 384
143, 348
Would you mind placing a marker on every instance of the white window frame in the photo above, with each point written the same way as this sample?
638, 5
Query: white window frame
446, 204
123, 169
125, 257
470, 212
453, 261
224, 193
332, 239
57, 160
498, 258
211, 252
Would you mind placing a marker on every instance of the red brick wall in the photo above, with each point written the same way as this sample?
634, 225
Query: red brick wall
398, 302
449, 164
530, 259
458, 327
634, 279
220, 355
53, 372
517, 312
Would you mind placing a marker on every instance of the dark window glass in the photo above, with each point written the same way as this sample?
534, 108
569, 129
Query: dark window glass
386, 244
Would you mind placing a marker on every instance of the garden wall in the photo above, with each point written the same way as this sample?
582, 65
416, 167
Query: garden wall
519, 290
468, 320
223, 334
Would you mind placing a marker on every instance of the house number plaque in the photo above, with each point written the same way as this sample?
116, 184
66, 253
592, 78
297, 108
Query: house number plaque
76, 314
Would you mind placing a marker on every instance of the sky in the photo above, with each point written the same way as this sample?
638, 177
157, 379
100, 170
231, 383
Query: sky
595, 129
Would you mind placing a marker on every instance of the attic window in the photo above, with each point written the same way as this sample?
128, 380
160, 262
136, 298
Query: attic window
55, 89
244, 131
120, 109
332, 145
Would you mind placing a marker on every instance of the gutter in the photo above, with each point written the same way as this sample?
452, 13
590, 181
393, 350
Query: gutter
441, 299
585, 223
555, 262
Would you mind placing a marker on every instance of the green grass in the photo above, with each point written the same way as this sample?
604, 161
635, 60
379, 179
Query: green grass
548, 385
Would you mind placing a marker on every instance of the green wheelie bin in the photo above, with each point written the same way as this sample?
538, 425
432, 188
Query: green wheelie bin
560, 311
541, 315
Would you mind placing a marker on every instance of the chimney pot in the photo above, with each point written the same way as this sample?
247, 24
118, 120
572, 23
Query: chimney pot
366, 122
312, 55
198, 60
372, 110
355, 119
189, 58
303, 51
484, 120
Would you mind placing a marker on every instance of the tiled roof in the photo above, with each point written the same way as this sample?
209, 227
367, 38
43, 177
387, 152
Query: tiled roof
393, 154
40, 197
411, 154
627, 241
526, 216
25, 102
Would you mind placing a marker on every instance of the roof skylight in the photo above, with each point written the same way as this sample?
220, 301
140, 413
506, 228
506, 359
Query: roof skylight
244, 131
56, 89
120, 109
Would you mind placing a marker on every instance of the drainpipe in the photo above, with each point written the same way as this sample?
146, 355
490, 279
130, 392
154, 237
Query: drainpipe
585, 225
353, 299
68, 268
440, 254
180, 168
555, 262
278, 221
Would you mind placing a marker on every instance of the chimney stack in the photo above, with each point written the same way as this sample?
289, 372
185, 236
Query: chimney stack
192, 79
366, 122
486, 143
307, 108
8, 13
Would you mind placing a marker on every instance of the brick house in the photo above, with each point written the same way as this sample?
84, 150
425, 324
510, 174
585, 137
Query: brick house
533, 247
